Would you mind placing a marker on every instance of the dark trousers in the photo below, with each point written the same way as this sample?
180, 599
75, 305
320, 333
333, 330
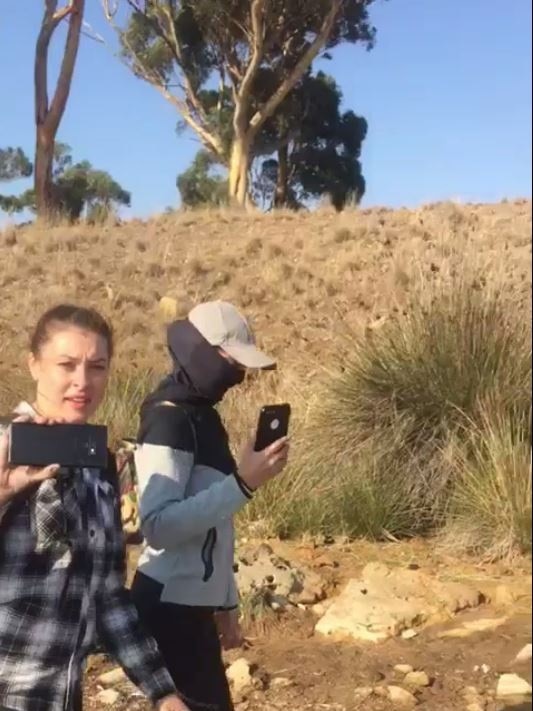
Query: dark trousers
188, 640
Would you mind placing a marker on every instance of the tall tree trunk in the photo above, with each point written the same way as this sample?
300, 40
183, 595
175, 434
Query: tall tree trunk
238, 170
43, 183
48, 114
282, 186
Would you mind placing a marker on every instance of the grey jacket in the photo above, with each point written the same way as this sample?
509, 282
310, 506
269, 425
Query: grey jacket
189, 491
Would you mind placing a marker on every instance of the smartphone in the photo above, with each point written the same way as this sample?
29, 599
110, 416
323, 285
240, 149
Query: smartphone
67, 445
273, 424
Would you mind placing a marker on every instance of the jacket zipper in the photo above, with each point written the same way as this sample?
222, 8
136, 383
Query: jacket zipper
207, 553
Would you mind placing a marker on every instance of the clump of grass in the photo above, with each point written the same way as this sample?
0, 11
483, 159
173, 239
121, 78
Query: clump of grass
403, 394
432, 366
490, 508
120, 408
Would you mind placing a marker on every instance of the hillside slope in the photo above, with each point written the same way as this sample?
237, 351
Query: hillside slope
304, 279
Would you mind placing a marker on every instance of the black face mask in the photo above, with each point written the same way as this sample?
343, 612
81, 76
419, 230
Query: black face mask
198, 366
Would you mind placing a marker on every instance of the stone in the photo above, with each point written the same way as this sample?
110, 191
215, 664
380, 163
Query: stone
276, 578
281, 682
403, 668
168, 308
476, 706
384, 602
417, 679
239, 675
483, 669
512, 685
503, 596
363, 693
409, 634
524, 655
321, 608
401, 698
474, 626
108, 697
112, 678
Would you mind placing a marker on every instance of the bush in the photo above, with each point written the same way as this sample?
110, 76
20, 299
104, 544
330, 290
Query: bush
490, 507
424, 379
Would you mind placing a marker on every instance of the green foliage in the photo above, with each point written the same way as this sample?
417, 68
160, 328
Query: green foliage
425, 428
198, 186
78, 189
186, 48
323, 147
14, 164
490, 507
322, 144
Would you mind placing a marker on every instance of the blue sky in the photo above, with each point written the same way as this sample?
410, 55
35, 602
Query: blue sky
446, 92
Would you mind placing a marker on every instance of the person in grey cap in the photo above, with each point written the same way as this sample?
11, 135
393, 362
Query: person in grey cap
190, 487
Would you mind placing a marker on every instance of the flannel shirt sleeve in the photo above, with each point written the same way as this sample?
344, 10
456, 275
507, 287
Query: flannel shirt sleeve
122, 634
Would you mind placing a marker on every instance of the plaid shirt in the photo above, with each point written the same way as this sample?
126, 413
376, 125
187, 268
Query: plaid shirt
62, 572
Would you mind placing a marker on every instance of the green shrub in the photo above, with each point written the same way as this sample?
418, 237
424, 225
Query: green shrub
490, 507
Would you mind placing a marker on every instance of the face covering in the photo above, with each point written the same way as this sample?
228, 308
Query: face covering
198, 366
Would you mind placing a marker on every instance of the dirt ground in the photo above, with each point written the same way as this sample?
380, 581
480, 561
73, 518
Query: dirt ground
295, 670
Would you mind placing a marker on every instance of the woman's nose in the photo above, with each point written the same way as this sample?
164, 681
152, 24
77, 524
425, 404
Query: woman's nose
81, 376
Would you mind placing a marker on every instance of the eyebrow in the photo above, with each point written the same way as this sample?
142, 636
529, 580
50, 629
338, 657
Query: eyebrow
93, 360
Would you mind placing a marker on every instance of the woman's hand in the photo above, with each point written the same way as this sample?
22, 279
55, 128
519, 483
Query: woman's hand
171, 703
14, 480
258, 468
229, 629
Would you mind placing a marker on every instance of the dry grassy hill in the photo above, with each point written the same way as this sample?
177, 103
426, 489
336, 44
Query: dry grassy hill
310, 282
303, 278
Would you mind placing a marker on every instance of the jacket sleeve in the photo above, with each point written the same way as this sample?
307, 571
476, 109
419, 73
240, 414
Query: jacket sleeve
164, 463
233, 597
121, 632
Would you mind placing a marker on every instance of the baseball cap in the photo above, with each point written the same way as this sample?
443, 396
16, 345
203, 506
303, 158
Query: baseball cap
221, 324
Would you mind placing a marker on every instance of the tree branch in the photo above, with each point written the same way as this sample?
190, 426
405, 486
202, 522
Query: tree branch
176, 48
257, 46
209, 140
266, 111
63, 12
57, 107
257, 42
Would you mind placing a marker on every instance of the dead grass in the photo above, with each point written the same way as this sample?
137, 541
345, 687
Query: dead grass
310, 283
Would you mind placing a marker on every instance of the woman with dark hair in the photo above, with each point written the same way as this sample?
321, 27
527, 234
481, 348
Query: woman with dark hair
62, 555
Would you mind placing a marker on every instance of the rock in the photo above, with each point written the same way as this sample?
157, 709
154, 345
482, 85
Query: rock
409, 634
470, 691
112, 678
470, 628
484, 668
503, 596
403, 668
417, 679
168, 308
476, 706
512, 685
321, 608
108, 697
239, 675
385, 602
363, 693
401, 698
264, 572
281, 682
524, 655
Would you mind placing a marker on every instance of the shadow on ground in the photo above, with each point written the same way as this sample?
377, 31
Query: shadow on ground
527, 706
